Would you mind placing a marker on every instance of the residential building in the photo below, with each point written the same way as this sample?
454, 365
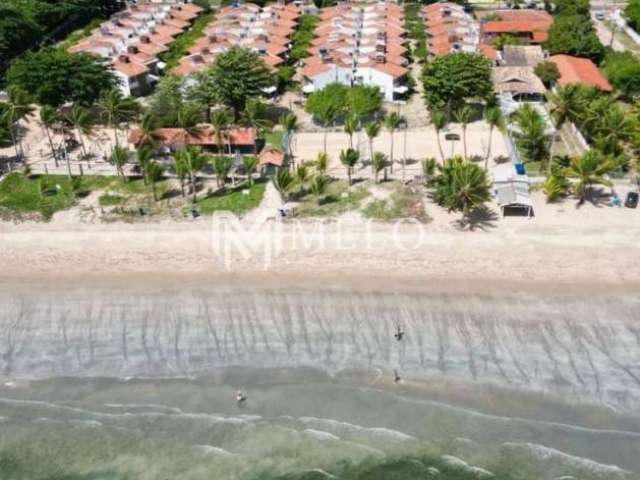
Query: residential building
132, 39
518, 83
361, 44
529, 27
521, 56
579, 70
266, 30
450, 29
235, 140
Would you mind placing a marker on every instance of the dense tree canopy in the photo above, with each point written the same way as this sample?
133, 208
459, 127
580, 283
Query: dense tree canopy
574, 35
547, 72
632, 12
571, 7
623, 71
24, 23
359, 101
452, 79
237, 75
53, 76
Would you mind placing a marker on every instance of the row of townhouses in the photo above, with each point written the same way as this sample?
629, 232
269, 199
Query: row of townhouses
358, 45
132, 39
266, 30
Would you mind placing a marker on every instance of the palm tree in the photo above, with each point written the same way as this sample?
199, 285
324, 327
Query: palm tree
115, 109
318, 185
590, 169
148, 130
350, 127
439, 121
349, 158
289, 124
188, 120
372, 130
153, 175
222, 166
493, 116
565, 104
531, 138
19, 107
119, 158
220, 120
181, 170
322, 162
302, 175
326, 118
80, 119
429, 166
392, 122
378, 163
255, 116
463, 116
48, 117
192, 160
145, 157
249, 165
282, 181
612, 128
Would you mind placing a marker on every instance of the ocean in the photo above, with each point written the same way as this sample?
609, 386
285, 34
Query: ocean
140, 381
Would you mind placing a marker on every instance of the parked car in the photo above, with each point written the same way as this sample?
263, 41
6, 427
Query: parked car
631, 200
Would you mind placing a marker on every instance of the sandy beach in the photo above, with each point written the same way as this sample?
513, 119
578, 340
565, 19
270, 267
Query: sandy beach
562, 244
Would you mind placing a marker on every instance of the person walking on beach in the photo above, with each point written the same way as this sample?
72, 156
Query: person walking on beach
399, 333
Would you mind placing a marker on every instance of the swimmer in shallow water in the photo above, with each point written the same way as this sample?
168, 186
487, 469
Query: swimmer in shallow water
240, 397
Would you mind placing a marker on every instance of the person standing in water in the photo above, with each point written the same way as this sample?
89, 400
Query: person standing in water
240, 397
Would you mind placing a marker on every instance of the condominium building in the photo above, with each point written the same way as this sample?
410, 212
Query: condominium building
358, 44
266, 30
450, 29
132, 39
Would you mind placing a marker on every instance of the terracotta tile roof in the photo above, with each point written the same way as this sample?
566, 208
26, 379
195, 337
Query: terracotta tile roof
129, 69
151, 48
167, 30
524, 14
271, 156
501, 26
177, 23
579, 70
488, 51
396, 71
313, 69
177, 136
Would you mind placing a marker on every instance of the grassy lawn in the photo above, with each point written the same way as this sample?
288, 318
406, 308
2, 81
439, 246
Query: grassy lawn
402, 203
184, 41
274, 139
337, 200
238, 200
40, 196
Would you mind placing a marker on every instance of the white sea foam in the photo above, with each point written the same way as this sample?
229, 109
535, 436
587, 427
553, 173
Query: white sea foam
337, 425
320, 434
86, 423
211, 450
546, 453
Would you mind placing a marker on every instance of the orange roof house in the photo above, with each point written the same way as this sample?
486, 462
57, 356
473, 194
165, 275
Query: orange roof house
238, 137
579, 70
530, 26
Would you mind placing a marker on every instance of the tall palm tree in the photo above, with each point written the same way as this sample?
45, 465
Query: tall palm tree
439, 121
463, 116
222, 166
378, 163
289, 124
327, 117
153, 174
249, 165
119, 158
116, 109
611, 129
192, 160
48, 117
20, 107
350, 127
531, 138
590, 169
148, 128
255, 116
372, 129
302, 175
220, 120
322, 162
181, 169
392, 122
145, 157
282, 181
565, 104
349, 158
188, 119
493, 116
80, 119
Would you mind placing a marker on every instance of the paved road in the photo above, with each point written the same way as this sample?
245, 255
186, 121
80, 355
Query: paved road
604, 34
